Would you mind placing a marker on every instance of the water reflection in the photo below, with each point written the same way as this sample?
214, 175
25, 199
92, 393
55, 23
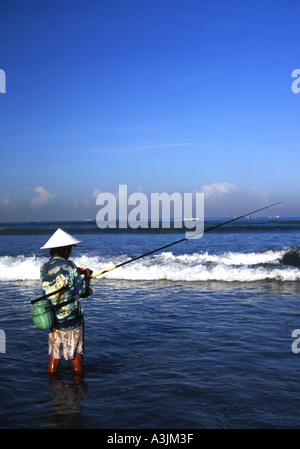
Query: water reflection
66, 397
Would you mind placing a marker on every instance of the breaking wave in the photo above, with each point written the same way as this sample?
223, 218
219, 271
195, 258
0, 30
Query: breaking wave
278, 265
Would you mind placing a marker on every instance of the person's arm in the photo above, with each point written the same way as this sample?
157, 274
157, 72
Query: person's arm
86, 273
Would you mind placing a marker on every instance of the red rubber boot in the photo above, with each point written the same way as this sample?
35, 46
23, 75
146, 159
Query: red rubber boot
53, 365
78, 365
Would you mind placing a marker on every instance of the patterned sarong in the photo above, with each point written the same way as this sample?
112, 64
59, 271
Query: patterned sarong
66, 344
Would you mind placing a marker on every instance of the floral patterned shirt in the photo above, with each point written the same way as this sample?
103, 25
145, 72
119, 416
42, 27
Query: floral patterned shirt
56, 273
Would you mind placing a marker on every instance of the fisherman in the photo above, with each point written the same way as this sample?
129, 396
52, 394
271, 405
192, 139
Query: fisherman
66, 338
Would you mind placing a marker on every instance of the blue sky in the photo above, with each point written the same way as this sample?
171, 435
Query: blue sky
163, 96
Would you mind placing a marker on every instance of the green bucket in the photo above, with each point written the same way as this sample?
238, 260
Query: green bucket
43, 314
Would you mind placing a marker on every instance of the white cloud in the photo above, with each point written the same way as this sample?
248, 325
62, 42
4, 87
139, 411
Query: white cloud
96, 192
44, 196
7, 200
215, 190
264, 194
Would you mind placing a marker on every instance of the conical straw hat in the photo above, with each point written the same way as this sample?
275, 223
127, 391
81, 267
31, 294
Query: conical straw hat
60, 238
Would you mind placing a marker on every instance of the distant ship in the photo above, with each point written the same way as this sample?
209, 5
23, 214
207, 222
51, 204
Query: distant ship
273, 216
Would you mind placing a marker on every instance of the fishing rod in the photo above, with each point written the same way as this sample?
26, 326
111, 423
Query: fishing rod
159, 249
181, 240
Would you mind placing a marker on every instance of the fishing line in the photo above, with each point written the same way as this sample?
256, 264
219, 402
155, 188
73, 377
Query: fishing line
162, 247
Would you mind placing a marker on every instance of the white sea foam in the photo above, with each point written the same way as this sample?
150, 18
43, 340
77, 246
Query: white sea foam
226, 267
19, 268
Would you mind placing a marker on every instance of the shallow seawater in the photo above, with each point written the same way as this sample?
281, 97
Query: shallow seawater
198, 336
158, 354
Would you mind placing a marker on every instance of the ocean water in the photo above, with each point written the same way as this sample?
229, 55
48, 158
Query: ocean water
202, 335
